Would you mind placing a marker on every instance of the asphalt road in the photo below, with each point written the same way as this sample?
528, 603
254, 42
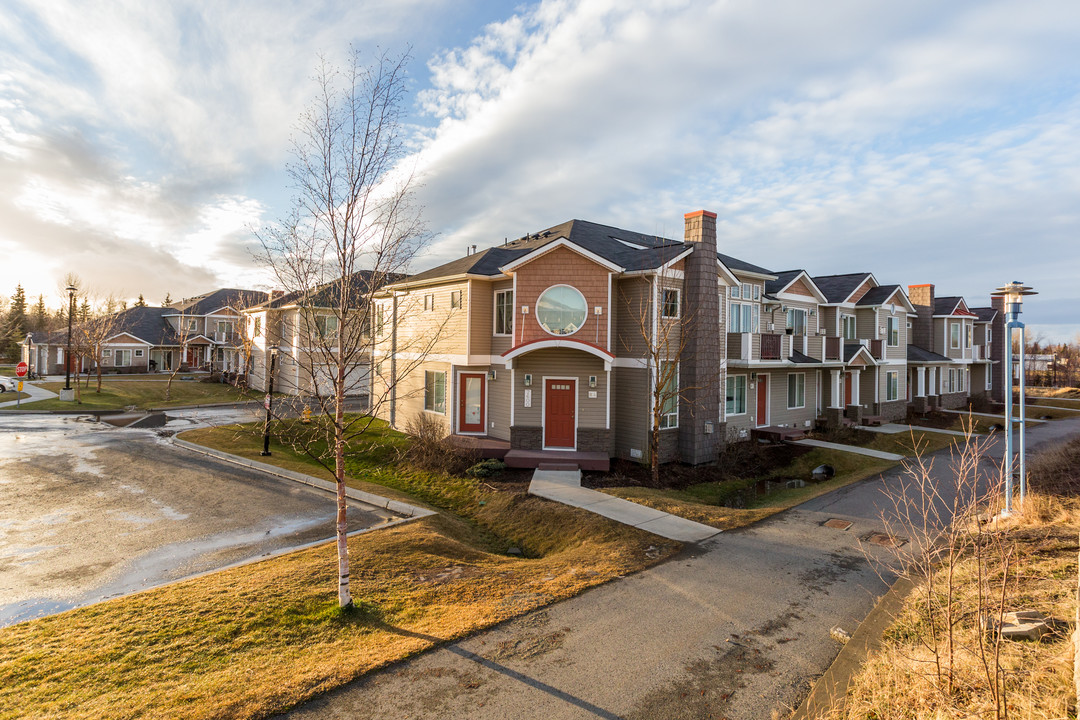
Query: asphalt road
88, 511
737, 628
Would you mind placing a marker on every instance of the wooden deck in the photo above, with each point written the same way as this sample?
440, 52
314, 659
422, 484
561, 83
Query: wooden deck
773, 433
485, 447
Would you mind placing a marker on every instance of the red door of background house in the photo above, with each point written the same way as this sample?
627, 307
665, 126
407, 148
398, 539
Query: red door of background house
762, 400
194, 356
471, 399
847, 389
559, 396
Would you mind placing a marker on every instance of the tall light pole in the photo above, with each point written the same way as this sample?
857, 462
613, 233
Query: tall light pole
1013, 293
71, 289
266, 402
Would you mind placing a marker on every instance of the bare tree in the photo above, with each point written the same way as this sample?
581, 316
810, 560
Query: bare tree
353, 229
102, 323
180, 335
657, 318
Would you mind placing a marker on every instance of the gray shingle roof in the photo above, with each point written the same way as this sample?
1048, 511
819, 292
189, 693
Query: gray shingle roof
916, 354
782, 279
211, 301
851, 350
328, 294
986, 314
878, 295
836, 288
800, 359
946, 305
147, 324
627, 249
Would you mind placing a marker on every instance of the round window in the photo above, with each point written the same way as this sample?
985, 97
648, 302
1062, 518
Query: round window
561, 310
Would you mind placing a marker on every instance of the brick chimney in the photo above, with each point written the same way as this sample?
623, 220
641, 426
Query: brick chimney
922, 329
699, 365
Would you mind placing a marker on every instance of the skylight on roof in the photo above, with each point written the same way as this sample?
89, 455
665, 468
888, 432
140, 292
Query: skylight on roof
627, 243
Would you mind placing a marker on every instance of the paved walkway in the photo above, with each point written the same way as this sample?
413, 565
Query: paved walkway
35, 393
853, 449
895, 428
989, 415
1054, 407
564, 486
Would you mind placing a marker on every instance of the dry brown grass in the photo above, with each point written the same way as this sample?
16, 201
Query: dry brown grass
253, 641
900, 680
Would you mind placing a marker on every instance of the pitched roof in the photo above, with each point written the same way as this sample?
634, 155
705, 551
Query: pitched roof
211, 301
783, 279
799, 359
625, 248
327, 295
853, 349
917, 354
877, 295
985, 314
837, 288
148, 324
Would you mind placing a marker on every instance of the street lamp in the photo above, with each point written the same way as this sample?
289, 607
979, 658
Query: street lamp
71, 289
266, 402
1013, 293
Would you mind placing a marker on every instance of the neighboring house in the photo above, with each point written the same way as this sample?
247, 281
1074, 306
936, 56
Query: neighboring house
943, 349
989, 354
197, 333
866, 325
286, 323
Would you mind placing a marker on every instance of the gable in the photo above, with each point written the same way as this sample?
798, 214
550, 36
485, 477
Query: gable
860, 291
799, 287
123, 338
561, 253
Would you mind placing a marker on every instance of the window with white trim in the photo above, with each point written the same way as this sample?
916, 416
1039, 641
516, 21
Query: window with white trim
735, 399
989, 335
757, 293
796, 390
669, 395
138, 353
435, 391
954, 335
796, 321
961, 379
429, 302
892, 331
455, 299
670, 304
735, 293
847, 324
892, 385
122, 358
969, 330
193, 325
106, 353
743, 317
504, 312
326, 326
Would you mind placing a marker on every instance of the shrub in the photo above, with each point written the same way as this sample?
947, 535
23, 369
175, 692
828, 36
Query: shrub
486, 468
432, 450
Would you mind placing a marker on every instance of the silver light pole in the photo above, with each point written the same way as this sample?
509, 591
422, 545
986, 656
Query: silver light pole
1014, 293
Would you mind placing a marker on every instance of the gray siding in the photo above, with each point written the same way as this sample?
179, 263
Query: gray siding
630, 411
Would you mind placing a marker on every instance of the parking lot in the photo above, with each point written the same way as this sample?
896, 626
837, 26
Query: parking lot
89, 511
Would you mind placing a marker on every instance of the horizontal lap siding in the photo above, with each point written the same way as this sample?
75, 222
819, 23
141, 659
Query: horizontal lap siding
632, 300
592, 412
418, 327
481, 306
630, 411
563, 267
499, 391
500, 344
410, 395
780, 414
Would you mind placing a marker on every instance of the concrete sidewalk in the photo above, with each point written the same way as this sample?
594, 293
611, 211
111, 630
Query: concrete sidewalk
990, 415
33, 391
564, 486
853, 449
895, 428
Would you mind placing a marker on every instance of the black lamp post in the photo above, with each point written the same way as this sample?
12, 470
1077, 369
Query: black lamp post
269, 396
67, 358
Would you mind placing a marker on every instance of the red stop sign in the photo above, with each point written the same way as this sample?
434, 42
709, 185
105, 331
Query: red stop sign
21, 369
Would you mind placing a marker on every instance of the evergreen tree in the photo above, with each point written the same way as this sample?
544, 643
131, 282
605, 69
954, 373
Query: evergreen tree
39, 316
13, 329
141, 302
167, 301
84, 311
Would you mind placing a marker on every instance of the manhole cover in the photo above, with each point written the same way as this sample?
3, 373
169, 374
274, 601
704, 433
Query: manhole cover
885, 540
837, 524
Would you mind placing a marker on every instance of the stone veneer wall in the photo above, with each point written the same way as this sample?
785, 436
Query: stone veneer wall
954, 401
891, 411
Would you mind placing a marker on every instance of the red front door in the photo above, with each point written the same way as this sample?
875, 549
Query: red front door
847, 389
559, 407
194, 356
471, 392
762, 400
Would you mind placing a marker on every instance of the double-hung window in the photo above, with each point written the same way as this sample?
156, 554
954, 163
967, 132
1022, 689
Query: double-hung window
847, 322
796, 390
892, 385
669, 395
892, 334
435, 391
735, 400
326, 326
504, 312
670, 305
455, 299
122, 358
968, 331
796, 321
429, 302
258, 327
954, 337
743, 317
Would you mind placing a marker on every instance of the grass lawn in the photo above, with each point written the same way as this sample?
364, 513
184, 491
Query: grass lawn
1064, 402
900, 679
7, 370
702, 502
117, 395
253, 641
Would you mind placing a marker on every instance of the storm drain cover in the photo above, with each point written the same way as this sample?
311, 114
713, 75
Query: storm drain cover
885, 540
837, 524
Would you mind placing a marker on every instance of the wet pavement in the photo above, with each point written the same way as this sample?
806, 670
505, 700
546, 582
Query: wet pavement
88, 511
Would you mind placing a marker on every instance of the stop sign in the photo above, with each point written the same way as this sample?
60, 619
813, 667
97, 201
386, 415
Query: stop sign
21, 369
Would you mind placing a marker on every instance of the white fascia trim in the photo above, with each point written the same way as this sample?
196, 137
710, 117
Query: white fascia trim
560, 243
109, 339
726, 273
870, 277
741, 275
862, 351
820, 296
627, 362
406, 286
508, 358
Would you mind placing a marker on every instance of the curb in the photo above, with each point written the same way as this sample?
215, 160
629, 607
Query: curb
411, 511
830, 690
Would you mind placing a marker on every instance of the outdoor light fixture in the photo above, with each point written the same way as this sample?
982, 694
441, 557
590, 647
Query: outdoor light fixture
71, 290
1013, 293
528, 379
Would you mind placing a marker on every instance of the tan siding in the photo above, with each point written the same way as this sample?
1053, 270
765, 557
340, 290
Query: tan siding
632, 298
865, 324
500, 344
780, 414
417, 326
592, 412
481, 307
630, 411
499, 391
828, 319
863, 289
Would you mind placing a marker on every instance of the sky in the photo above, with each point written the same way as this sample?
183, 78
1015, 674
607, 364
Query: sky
143, 144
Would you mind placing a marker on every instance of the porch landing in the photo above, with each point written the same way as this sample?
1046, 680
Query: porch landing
558, 459
486, 447
774, 433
